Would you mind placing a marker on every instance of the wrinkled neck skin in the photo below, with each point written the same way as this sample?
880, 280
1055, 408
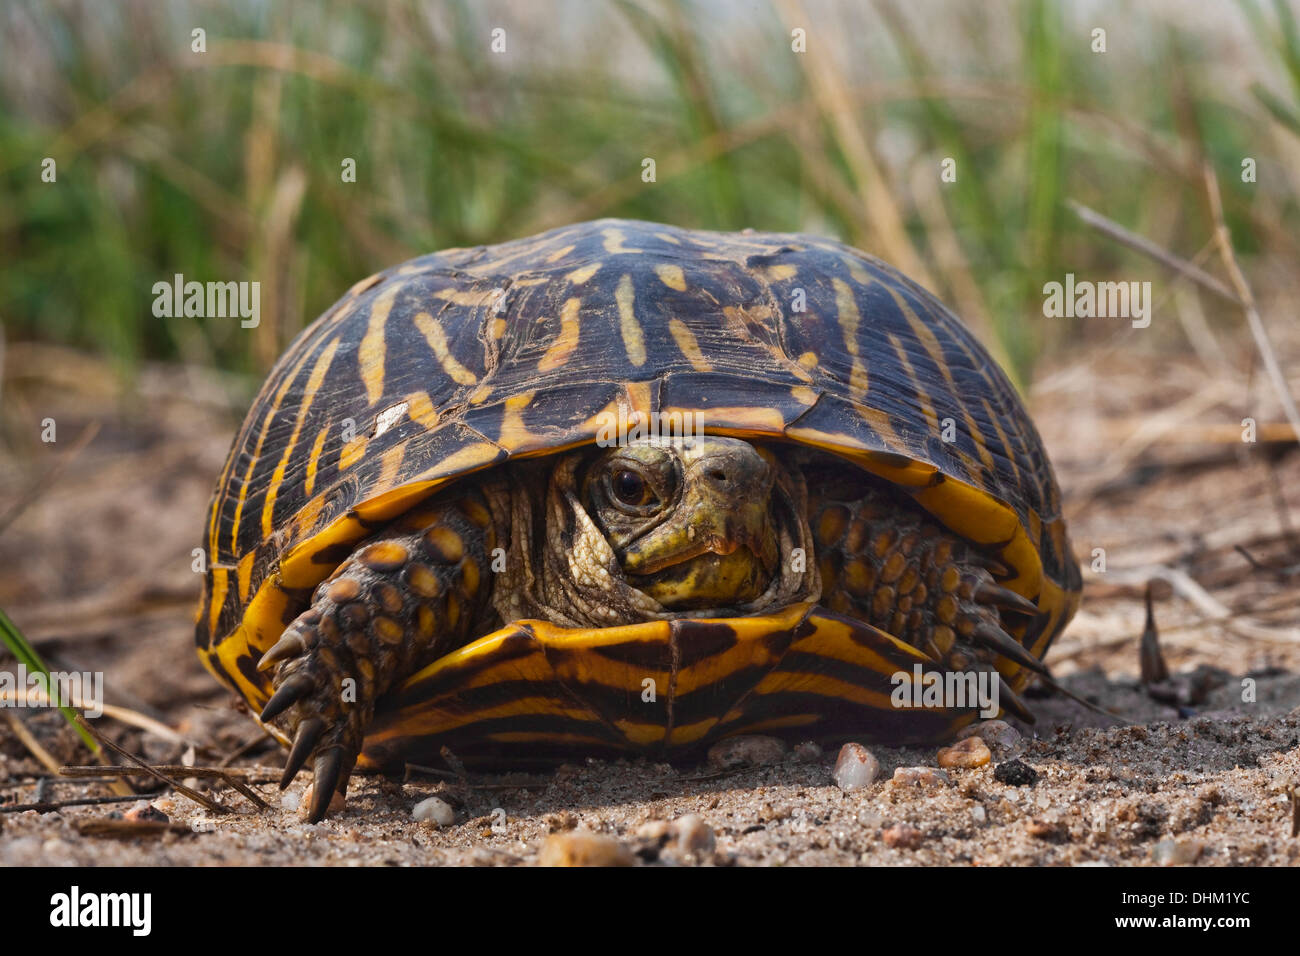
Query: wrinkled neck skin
561, 568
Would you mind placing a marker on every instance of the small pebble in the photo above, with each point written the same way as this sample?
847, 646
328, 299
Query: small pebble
584, 848
1002, 739
903, 837
289, 800
337, 802
143, 812
978, 813
856, 767
559, 822
870, 818
747, 751
435, 811
971, 752
688, 835
1176, 852
807, 752
653, 831
1050, 831
770, 812
691, 834
1015, 773
920, 777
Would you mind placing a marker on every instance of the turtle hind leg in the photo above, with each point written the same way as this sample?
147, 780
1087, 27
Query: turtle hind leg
403, 597
885, 561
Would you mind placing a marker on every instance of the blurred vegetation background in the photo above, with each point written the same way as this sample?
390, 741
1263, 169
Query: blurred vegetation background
226, 165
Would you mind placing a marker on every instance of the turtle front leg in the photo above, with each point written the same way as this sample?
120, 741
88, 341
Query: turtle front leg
884, 561
404, 597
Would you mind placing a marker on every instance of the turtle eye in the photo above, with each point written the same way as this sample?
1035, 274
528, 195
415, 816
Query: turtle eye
630, 489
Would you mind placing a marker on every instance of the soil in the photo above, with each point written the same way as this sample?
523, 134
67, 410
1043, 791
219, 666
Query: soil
97, 574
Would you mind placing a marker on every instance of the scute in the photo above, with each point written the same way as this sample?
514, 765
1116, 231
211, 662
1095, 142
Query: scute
456, 361
532, 690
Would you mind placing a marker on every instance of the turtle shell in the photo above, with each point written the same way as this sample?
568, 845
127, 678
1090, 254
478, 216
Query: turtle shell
457, 361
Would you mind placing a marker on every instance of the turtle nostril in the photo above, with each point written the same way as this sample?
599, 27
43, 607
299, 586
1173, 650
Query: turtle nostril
718, 475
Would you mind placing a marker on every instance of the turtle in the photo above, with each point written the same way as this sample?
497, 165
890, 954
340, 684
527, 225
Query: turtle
629, 488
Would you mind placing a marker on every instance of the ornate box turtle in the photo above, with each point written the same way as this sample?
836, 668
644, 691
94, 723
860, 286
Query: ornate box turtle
627, 487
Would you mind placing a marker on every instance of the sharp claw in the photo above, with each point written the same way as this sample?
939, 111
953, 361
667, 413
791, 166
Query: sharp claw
1011, 701
304, 743
290, 692
1003, 643
289, 645
994, 594
328, 767
345, 774
996, 568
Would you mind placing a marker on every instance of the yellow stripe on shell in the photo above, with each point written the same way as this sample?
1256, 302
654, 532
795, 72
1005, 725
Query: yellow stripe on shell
351, 452
514, 432
313, 461
689, 734
261, 627
244, 574
749, 649
914, 474
216, 599
434, 721
1010, 457
613, 241
420, 408
433, 333
368, 282
314, 382
583, 274
566, 340
629, 327
832, 638
849, 318
257, 451
539, 737
822, 685
371, 349
641, 734
689, 345
671, 276
922, 396
297, 569
779, 272
389, 468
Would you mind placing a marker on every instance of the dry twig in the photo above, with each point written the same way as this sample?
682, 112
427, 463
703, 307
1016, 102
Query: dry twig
205, 802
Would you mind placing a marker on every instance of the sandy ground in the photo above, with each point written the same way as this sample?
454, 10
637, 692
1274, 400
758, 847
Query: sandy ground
97, 574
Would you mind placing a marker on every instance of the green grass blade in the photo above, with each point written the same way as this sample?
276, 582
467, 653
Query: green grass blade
26, 654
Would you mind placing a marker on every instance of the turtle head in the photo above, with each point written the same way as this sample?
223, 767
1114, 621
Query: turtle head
692, 522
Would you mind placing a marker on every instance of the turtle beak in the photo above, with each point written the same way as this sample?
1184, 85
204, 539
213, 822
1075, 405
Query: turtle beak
720, 543
735, 492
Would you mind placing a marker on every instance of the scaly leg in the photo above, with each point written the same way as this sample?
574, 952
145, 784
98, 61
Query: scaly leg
883, 560
404, 597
